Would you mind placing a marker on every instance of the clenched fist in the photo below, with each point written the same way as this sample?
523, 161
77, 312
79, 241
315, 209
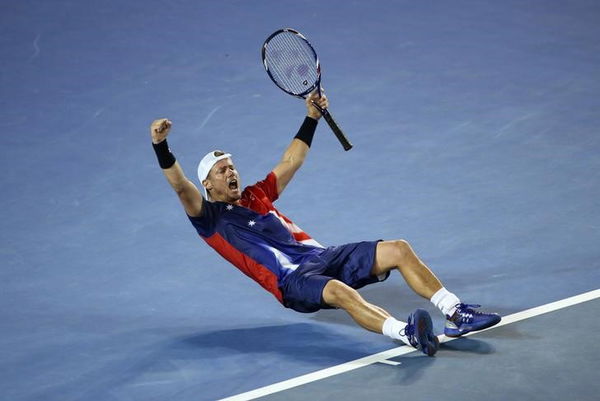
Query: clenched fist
160, 129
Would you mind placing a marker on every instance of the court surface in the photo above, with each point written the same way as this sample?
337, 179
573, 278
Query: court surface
475, 126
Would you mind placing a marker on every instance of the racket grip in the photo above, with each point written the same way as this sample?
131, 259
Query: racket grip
336, 130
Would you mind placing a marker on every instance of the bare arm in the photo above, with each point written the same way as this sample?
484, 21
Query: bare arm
188, 193
294, 155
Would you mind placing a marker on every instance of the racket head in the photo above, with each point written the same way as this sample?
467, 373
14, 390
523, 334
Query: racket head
291, 62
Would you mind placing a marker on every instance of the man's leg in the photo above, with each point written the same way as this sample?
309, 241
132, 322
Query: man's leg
341, 296
399, 255
417, 333
461, 318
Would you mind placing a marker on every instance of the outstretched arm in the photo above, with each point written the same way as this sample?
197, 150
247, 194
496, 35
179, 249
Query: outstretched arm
296, 153
188, 193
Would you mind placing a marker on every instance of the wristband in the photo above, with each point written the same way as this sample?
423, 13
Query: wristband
163, 154
307, 130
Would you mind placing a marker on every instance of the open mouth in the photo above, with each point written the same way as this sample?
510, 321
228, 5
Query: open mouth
233, 184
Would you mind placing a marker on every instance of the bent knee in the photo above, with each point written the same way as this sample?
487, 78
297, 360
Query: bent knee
402, 249
339, 294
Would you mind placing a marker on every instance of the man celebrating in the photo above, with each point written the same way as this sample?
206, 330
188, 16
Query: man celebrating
245, 228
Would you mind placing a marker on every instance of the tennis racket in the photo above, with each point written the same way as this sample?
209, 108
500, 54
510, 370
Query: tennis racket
293, 65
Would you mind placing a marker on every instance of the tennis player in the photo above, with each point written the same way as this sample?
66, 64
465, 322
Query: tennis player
244, 227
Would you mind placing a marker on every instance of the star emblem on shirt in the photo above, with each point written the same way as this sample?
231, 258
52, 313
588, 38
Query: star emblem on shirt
251, 223
229, 207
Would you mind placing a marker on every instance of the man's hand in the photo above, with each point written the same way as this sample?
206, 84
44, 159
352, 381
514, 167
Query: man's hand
321, 101
160, 129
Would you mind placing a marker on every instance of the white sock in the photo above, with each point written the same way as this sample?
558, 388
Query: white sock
393, 328
445, 301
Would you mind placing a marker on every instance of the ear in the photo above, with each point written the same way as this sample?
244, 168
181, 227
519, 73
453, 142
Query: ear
207, 184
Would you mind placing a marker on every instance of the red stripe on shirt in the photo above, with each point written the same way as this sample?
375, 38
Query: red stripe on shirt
301, 236
260, 197
259, 273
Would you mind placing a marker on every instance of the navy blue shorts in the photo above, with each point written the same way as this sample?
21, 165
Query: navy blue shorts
351, 264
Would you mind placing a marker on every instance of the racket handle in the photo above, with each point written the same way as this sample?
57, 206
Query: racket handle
336, 130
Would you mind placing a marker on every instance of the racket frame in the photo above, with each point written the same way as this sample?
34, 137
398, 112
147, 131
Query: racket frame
317, 85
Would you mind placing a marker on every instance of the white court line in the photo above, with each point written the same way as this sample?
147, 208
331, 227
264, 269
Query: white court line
393, 363
395, 352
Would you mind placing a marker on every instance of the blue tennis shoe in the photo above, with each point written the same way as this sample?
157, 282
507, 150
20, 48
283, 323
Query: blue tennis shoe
466, 320
419, 331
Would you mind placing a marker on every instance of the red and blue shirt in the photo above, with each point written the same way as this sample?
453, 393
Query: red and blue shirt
255, 237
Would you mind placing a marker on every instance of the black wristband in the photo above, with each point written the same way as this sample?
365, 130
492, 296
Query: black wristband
307, 130
163, 154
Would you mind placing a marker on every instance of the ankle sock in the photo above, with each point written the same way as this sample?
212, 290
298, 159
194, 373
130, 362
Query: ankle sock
395, 329
445, 301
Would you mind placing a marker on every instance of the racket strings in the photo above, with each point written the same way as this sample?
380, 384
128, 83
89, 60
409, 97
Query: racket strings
292, 63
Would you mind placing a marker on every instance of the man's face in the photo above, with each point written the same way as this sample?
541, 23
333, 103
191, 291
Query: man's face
224, 182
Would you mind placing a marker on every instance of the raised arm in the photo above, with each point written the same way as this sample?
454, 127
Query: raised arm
188, 193
296, 153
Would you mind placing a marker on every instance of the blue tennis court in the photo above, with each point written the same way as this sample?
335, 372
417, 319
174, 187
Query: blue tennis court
475, 132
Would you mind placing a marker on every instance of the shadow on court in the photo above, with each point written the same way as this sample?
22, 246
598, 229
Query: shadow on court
293, 341
154, 363
469, 345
